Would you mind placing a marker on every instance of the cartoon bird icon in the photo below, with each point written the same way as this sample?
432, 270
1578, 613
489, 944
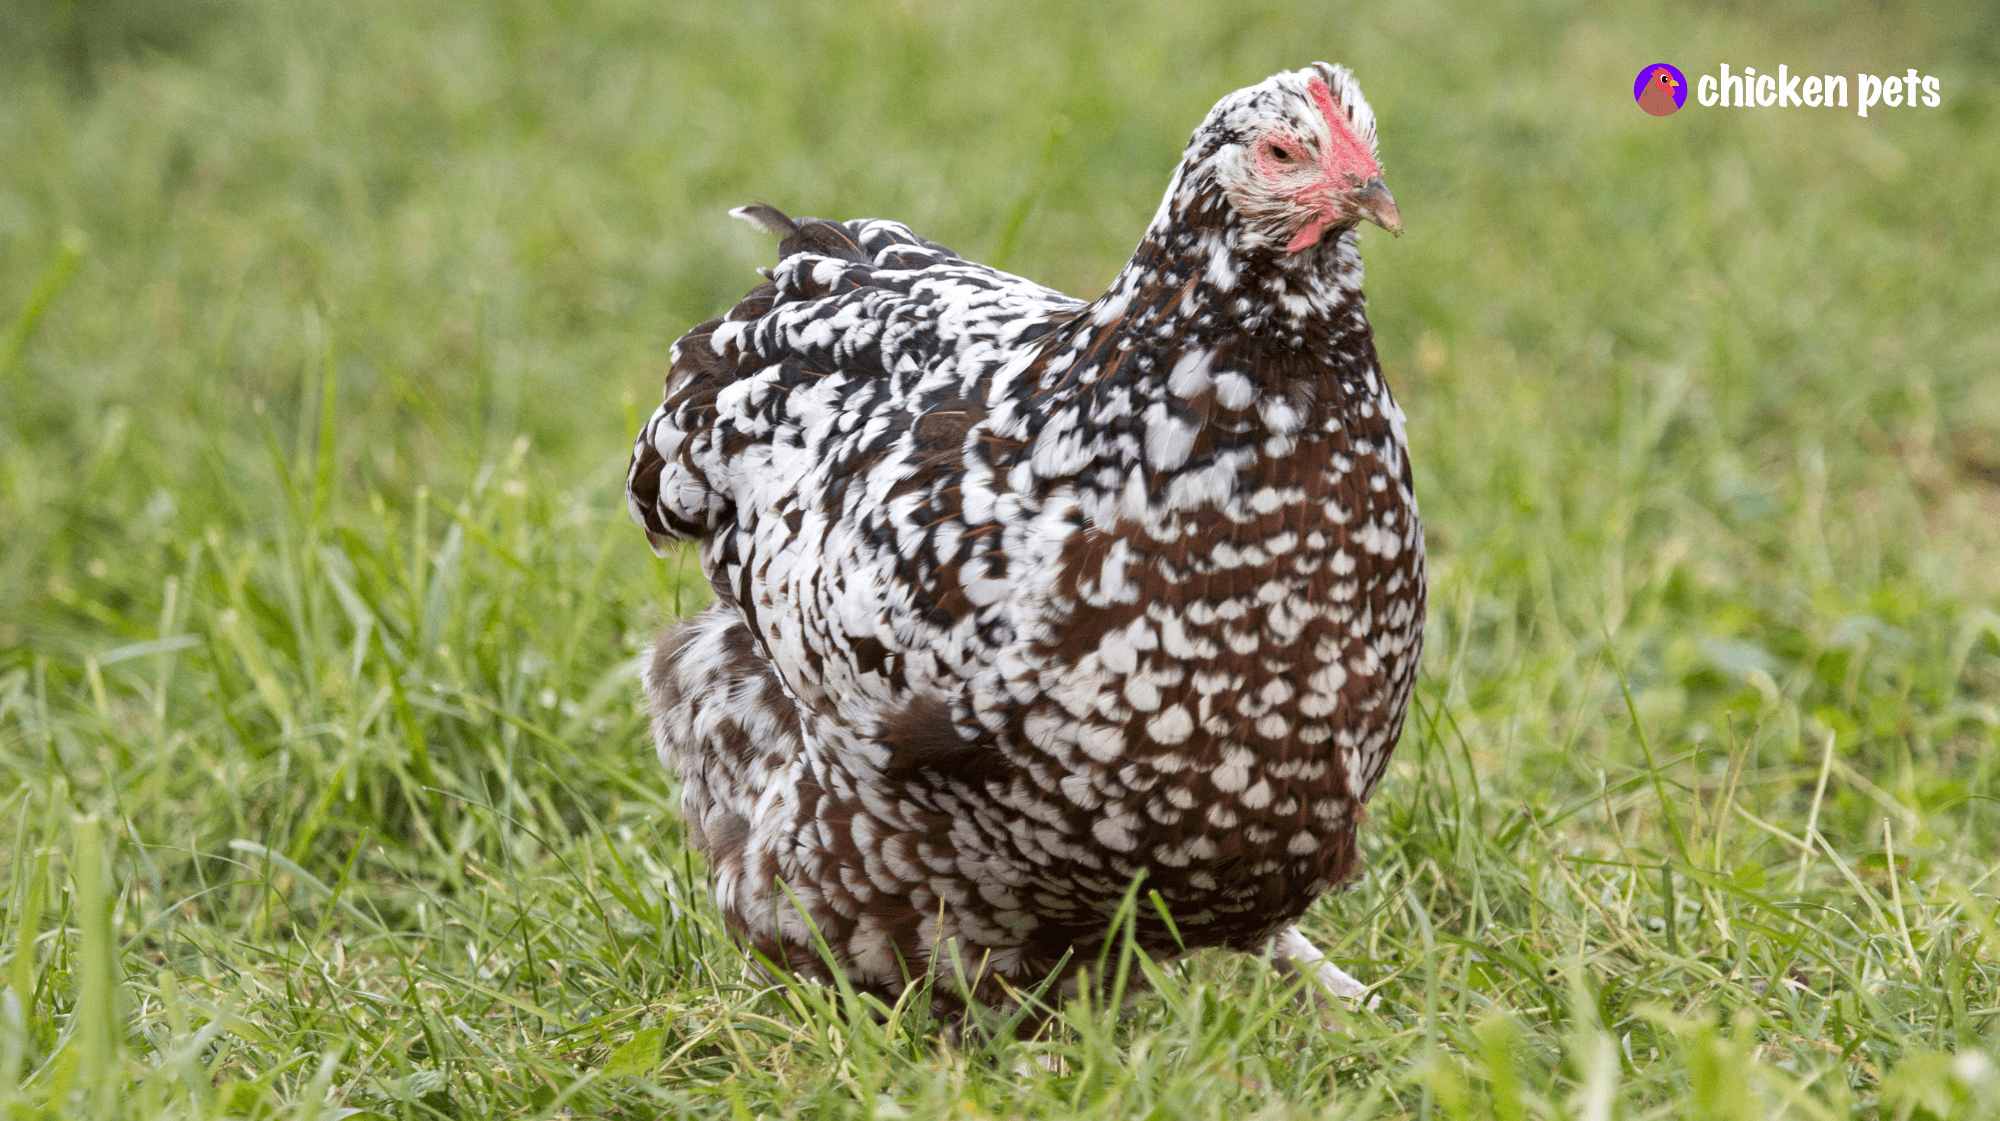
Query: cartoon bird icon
1659, 96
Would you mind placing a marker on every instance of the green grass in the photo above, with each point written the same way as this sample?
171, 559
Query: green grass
323, 332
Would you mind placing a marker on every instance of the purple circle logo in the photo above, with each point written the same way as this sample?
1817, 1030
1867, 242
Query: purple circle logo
1661, 89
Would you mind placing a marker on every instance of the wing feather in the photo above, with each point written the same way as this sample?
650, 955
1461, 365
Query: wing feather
818, 439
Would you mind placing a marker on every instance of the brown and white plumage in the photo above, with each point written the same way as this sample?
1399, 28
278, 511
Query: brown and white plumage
1020, 597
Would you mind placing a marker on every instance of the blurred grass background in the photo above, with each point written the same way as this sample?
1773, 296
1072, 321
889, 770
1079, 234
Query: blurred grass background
327, 327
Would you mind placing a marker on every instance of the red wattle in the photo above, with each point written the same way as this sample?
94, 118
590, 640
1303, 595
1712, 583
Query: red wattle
1307, 236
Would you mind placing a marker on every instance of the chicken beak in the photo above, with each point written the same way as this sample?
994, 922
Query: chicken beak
1374, 203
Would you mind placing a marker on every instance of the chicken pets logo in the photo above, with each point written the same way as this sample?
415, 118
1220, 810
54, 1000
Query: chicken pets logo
1662, 90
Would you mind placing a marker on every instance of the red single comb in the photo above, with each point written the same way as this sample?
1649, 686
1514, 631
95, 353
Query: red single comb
1348, 153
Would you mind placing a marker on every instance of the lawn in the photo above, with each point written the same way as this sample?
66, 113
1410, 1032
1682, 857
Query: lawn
324, 330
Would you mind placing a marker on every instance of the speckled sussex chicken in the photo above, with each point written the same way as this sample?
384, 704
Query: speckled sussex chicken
1019, 597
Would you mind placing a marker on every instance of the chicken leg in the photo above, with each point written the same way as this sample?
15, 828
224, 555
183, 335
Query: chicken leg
1292, 953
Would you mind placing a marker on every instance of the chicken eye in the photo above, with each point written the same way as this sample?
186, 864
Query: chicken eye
1281, 153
